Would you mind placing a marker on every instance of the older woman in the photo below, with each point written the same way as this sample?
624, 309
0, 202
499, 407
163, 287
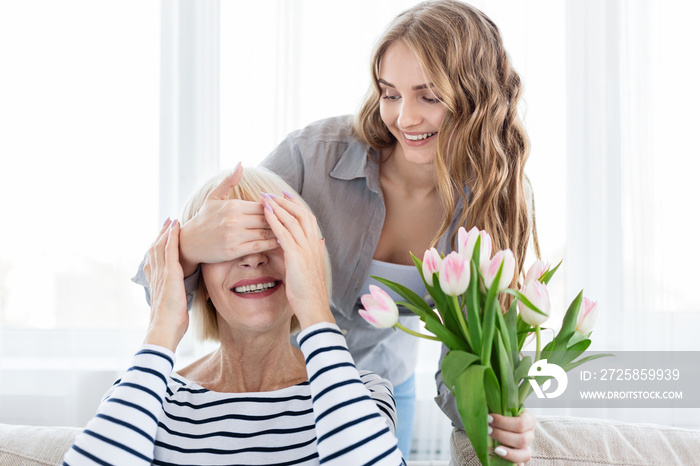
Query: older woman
256, 399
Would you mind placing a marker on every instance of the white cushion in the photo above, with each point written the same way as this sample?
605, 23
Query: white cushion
570, 441
31, 445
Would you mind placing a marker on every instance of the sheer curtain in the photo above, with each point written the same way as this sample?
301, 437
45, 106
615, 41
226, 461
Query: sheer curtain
79, 191
631, 171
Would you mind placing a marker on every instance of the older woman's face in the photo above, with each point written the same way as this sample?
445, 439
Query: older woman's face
249, 292
408, 105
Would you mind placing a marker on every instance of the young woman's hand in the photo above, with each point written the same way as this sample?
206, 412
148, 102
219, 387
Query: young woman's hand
224, 229
169, 318
515, 434
305, 282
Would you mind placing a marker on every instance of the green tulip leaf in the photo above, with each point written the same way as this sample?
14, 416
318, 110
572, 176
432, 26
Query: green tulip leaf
492, 306
521, 297
568, 325
524, 329
511, 322
473, 409
453, 364
477, 251
570, 366
471, 298
504, 330
493, 391
434, 326
549, 274
443, 305
575, 338
405, 293
522, 369
509, 393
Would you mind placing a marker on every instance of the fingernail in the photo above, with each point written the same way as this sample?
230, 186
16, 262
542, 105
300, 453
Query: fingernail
267, 206
269, 195
500, 451
173, 224
489, 419
288, 194
166, 221
489, 430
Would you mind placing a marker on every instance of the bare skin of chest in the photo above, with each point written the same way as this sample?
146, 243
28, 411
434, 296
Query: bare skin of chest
411, 221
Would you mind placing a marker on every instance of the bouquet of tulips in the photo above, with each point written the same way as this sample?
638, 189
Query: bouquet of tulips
484, 368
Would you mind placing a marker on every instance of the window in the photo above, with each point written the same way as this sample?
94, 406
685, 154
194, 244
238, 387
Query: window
79, 184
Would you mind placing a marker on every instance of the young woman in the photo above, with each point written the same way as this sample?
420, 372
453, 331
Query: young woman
256, 399
438, 144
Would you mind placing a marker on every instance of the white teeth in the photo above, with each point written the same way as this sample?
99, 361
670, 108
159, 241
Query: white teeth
257, 288
418, 137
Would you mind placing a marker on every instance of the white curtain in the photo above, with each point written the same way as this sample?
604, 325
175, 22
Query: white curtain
631, 174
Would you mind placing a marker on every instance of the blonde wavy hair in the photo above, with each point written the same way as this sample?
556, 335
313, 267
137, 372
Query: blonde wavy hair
482, 142
255, 180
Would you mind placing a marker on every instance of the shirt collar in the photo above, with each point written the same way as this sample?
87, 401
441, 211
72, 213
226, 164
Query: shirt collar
358, 161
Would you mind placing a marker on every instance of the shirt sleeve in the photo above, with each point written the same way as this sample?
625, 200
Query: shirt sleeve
124, 429
355, 414
191, 282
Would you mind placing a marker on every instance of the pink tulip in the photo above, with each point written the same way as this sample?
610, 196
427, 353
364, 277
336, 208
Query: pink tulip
538, 295
587, 315
536, 270
466, 242
454, 274
490, 269
380, 310
431, 264
485, 249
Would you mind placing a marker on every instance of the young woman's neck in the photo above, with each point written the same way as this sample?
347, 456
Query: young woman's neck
416, 179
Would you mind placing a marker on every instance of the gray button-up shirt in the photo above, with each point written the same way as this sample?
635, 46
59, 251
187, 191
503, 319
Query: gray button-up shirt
338, 176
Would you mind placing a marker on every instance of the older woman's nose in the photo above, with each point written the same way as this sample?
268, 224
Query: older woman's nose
257, 259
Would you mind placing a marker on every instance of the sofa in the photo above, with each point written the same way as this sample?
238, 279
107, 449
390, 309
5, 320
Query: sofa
559, 440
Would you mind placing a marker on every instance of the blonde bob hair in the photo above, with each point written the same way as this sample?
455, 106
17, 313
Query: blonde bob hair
481, 143
253, 182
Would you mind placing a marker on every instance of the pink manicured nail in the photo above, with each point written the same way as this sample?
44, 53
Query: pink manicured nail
288, 194
267, 206
173, 223
166, 221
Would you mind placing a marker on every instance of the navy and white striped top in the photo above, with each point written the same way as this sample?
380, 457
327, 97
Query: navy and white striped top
155, 416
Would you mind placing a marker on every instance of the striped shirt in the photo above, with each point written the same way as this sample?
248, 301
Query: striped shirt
155, 416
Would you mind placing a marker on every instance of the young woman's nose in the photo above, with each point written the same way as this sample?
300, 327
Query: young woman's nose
409, 115
257, 259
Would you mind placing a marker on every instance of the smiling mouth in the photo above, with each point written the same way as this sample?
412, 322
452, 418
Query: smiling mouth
257, 288
418, 137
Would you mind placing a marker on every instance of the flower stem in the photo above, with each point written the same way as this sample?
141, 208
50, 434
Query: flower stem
539, 351
417, 334
461, 319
